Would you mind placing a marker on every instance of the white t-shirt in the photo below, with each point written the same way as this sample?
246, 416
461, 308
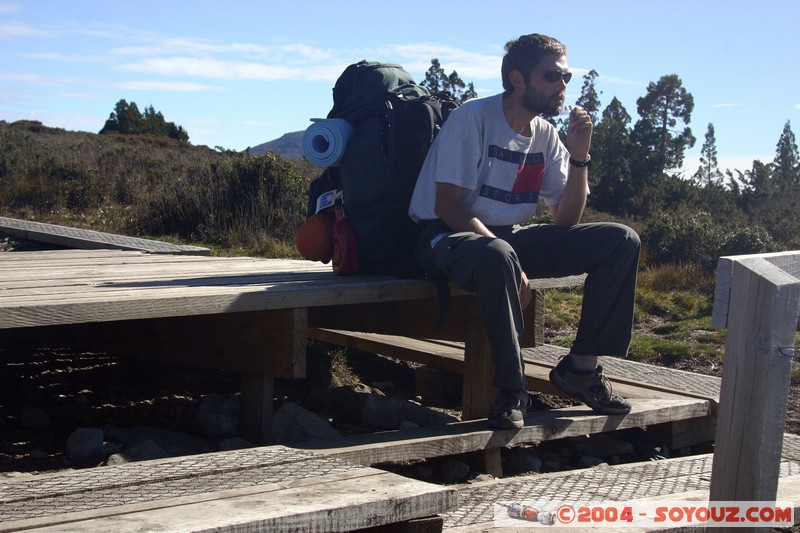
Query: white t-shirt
505, 172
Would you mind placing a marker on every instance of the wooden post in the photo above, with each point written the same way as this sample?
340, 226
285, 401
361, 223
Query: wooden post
761, 319
255, 420
479, 394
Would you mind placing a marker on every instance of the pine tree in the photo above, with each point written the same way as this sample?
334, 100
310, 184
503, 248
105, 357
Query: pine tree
662, 106
590, 97
709, 172
436, 80
613, 187
785, 170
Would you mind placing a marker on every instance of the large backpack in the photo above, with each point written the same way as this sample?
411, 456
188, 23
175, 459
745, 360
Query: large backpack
394, 122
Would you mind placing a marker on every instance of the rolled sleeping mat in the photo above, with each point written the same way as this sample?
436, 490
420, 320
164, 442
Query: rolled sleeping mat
325, 140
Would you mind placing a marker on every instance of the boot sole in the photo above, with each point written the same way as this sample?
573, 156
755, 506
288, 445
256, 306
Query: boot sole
505, 423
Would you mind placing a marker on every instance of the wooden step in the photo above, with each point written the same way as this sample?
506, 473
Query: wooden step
539, 361
472, 436
272, 488
679, 481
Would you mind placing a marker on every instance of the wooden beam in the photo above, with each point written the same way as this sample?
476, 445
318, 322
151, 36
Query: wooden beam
259, 343
471, 436
789, 262
345, 501
755, 381
255, 417
449, 355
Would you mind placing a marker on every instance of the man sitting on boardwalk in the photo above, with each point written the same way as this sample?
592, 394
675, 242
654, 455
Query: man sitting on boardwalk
483, 177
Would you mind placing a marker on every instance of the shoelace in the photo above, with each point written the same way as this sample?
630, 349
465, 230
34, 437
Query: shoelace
605, 387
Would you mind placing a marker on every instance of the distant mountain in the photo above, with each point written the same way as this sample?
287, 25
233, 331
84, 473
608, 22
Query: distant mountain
290, 145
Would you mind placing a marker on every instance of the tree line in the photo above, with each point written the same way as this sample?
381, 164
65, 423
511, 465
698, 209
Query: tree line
635, 171
127, 119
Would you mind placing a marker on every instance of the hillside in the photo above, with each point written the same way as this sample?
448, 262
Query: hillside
289, 145
143, 185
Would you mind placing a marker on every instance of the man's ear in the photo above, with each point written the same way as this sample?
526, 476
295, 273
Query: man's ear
517, 79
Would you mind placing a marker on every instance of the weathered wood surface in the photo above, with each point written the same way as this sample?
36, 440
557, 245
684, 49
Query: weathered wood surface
627, 377
788, 262
93, 240
261, 489
762, 320
80, 286
681, 481
465, 437
241, 314
84, 286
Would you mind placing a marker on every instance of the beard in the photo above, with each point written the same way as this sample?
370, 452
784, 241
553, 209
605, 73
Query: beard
540, 104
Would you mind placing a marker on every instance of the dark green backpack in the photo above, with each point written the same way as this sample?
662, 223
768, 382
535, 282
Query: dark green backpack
394, 123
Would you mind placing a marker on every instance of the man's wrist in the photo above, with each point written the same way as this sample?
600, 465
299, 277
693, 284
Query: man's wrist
580, 163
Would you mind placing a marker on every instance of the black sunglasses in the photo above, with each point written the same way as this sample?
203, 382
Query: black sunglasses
556, 75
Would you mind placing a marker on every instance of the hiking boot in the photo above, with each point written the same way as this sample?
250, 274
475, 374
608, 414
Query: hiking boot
509, 409
591, 387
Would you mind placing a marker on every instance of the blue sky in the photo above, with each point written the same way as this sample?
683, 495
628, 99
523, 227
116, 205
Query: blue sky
236, 74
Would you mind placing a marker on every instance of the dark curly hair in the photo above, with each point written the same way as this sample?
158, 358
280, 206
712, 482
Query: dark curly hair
524, 54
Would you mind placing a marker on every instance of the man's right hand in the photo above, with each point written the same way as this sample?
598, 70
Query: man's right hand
525, 293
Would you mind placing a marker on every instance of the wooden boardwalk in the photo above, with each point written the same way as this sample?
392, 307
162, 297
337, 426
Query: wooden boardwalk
69, 237
254, 316
261, 489
684, 480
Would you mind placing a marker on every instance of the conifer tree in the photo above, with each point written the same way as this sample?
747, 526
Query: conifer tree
709, 172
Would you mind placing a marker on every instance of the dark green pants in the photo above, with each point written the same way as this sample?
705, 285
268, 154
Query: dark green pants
491, 268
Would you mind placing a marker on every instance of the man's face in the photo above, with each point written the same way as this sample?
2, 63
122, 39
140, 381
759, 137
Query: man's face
546, 88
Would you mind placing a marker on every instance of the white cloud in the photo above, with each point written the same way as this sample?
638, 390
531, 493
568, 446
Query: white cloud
170, 86
16, 29
9, 8
469, 65
34, 78
229, 70
727, 105
57, 56
81, 96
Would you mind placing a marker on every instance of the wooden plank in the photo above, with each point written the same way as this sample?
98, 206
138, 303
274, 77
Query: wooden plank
339, 502
789, 262
105, 286
788, 489
755, 381
298, 484
465, 437
258, 343
418, 319
84, 238
449, 355
97, 305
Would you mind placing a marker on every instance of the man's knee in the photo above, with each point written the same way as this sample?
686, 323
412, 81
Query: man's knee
497, 264
498, 254
624, 236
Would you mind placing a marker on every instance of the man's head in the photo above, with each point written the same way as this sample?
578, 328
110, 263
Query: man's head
524, 54
525, 58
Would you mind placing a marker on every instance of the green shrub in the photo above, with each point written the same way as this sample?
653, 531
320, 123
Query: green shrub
699, 239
